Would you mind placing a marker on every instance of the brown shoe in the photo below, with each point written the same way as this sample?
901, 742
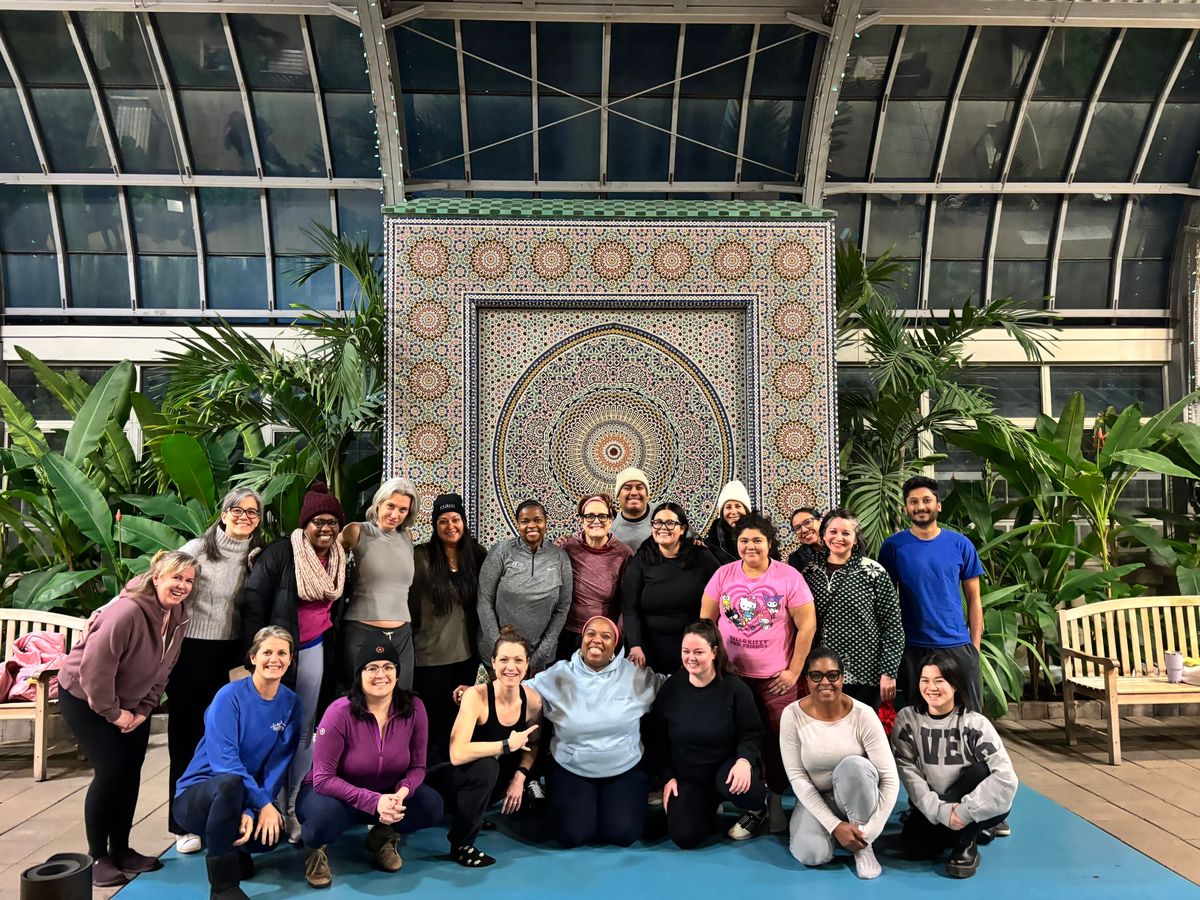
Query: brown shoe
316, 869
382, 842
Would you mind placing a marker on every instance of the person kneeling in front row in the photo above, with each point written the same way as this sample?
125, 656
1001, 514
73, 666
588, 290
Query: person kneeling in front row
227, 793
368, 767
958, 776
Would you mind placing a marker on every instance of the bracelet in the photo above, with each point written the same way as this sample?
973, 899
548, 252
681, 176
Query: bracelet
524, 770
504, 750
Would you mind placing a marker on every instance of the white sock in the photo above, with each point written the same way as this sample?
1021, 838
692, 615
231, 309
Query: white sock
865, 863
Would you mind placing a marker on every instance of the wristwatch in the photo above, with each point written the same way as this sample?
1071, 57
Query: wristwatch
504, 749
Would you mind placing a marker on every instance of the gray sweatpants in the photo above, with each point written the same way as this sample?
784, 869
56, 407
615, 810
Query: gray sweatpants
310, 670
855, 797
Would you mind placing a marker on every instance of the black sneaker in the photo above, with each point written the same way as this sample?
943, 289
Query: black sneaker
1001, 829
535, 795
749, 825
963, 862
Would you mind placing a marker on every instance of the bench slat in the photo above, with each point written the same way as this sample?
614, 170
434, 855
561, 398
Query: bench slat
1123, 654
1089, 667
1156, 617
1192, 636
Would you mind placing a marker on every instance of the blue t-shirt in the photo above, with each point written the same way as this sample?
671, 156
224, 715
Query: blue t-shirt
929, 575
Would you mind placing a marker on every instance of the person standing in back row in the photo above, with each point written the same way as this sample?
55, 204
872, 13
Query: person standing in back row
935, 569
632, 525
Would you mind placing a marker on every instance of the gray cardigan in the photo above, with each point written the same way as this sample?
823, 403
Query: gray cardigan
527, 590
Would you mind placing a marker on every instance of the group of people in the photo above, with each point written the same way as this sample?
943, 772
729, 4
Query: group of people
393, 684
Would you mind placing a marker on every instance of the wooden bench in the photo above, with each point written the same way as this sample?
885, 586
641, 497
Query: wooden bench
15, 623
1113, 651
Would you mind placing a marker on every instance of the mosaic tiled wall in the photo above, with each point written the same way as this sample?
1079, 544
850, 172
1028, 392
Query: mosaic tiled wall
539, 357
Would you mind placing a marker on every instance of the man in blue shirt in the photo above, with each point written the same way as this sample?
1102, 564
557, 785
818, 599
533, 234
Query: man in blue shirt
935, 569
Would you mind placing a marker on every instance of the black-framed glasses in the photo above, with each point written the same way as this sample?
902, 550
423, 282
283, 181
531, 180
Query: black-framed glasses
594, 518
817, 677
236, 512
326, 524
665, 525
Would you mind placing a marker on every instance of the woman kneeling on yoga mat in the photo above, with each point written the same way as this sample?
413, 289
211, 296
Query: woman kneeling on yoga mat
368, 767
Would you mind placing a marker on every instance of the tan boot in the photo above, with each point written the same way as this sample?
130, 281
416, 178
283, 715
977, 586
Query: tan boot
316, 869
382, 842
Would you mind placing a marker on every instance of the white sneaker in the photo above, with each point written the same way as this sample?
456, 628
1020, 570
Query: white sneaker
188, 843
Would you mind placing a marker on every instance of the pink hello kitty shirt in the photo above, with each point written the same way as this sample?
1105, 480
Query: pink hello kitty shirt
754, 615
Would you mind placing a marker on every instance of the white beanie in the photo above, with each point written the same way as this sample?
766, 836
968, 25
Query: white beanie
734, 490
631, 474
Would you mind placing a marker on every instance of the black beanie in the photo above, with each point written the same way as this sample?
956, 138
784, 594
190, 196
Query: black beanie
447, 503
376, 651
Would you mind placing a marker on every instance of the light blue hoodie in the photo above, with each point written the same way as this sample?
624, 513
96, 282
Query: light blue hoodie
596, 714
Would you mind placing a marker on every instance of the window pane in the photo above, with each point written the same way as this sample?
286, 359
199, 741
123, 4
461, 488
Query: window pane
288, 135
24, 219
425, 55
162, 219
31, 281
232, 220
272, 52
1001, 61
503, 43
1015, 390
909, 139
1046, 137
1082, 284
140, 128
1144, 284
897, 222
783, 71
360, 217
849, 220
569, 152
953, 281
118, 49
1090, 227
961, 226
433, 127
168, 282
1153, 226
635, 152
715, 45
1020, 278
292, 213
236, 282
1142, 63
1025, 225
1172, 156
196, 50
154, 382
317, 292
773, 138
850, 139
67, 117
866, 65
978, 140
928, 60
1113, 141
569, 57
351, 122
492, 119
713, 122
38, 400
217, 135
1073, 62
41, 47
16, 147
92, 219
339, 51
99, 281
641, 57
1104, 386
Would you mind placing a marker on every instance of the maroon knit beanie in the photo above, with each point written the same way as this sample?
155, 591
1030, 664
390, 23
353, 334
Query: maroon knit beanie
318, 500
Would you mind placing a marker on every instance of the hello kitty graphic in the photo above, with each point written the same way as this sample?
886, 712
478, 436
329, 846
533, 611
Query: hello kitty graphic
752, 612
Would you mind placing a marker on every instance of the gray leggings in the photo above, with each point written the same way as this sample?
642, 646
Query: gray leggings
310, 669
855, 797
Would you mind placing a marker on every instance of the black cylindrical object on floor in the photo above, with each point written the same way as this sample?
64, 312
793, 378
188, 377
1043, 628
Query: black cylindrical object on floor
64, 876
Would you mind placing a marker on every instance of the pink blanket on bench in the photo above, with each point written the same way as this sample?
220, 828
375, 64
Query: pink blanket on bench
33, 653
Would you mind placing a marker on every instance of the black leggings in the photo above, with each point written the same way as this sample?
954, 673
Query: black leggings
469, 790
117, 760
608, 810
692, 814
435, 686
923, 839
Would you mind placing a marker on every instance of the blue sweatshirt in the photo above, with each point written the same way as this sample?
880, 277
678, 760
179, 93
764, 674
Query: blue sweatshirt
597, 715
247, 736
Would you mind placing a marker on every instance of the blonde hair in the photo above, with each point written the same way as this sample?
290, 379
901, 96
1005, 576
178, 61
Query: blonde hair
267, 632
165, 563
386, 490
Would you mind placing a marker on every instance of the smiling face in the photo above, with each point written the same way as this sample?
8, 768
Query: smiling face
754, 548
936, 690
272, 658
829, 686
597, 521
732, 511
599, 643
321, 531
667, 531
531, 525
632, 498
510, 663
393, 511
922, 507
173, 589
449, 527
805, 527
697, 655
378, 679
840, 535
241, 519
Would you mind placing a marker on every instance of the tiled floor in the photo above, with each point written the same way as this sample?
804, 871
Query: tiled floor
1151, 802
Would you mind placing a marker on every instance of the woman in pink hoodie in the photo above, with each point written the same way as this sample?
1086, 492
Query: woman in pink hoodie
110, 683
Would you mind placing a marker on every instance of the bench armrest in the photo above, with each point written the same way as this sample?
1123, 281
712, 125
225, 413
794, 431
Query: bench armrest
1087, 657
44, 676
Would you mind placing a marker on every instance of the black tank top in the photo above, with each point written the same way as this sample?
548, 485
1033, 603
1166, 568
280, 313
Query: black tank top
492, 730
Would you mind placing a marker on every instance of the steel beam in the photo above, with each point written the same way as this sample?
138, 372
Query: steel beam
377, 46
837, 50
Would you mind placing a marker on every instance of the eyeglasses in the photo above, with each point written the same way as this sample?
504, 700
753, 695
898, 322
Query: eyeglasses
385, 669
664, 525
817, 677
806, 523
594, 518
236, 512
326, 524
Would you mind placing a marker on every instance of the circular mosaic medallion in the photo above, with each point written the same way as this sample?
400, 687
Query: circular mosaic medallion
428, 441
612, 260
428, 380
490, 259
792, 320
791, 260
604, 399
551, 260
794, 440
428, 319
428, 258
793, 380
793, 496
731, 259
671, 260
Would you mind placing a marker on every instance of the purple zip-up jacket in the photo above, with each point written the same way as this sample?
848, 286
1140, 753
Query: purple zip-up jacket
355, 763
